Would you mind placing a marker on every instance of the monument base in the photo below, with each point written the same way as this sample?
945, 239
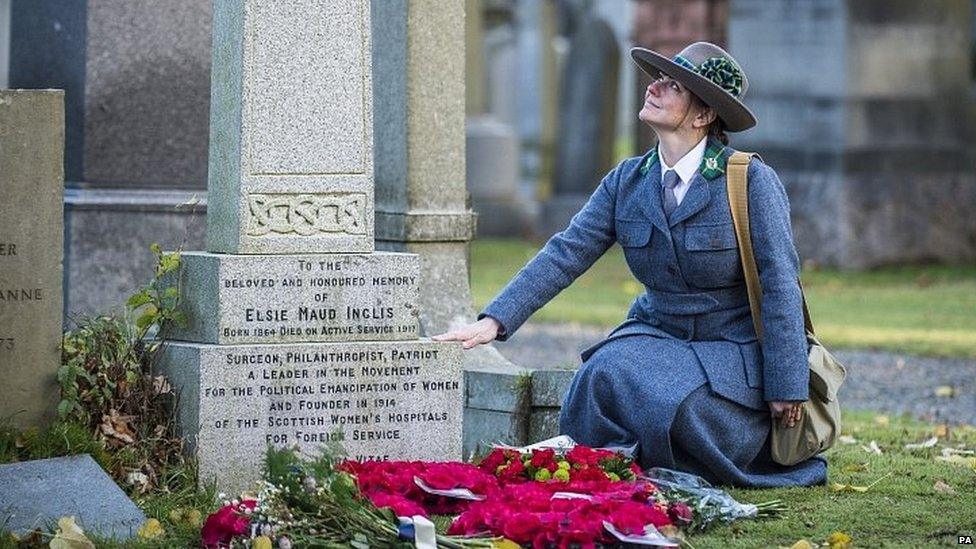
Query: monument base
383, 400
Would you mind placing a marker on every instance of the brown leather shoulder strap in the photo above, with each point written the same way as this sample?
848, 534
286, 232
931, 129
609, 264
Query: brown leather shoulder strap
737, 184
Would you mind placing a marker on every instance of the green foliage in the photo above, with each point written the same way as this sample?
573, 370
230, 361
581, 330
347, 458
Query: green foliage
925, 310
107, 382
156, 305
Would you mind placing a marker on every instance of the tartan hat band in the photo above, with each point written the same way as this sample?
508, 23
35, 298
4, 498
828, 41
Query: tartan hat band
719, 70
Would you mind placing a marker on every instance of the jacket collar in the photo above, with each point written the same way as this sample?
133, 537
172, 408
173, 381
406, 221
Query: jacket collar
713, 165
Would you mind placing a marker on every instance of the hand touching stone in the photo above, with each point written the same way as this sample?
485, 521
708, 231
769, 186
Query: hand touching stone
476, 333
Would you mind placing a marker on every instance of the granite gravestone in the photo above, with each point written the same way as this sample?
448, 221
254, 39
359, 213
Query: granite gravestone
31, 228
289, 349
587, 113
34, 494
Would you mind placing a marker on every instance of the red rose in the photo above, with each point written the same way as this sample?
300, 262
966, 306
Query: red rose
634, 468
229, 521
492, 461
512, 472
543, 458
680, 513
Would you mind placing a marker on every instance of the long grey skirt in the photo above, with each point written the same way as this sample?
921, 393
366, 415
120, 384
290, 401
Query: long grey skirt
652, 393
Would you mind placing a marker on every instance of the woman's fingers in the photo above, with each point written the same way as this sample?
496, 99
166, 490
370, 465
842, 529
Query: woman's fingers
471, 335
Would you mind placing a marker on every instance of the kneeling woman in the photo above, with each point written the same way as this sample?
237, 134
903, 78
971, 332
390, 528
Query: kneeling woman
683, 381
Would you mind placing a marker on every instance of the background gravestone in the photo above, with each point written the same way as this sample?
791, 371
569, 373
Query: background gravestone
31, 183
867, 114
136, 77
37, 493
587, 118
299, 333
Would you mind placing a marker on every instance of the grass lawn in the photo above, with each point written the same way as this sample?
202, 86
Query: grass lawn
904, 509
919, 501
927, 311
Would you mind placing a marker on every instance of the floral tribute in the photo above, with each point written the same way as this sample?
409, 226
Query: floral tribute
582, 497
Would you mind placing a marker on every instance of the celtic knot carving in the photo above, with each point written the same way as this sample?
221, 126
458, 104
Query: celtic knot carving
306, 214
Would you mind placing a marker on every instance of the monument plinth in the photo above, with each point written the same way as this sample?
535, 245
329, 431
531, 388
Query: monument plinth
298, 333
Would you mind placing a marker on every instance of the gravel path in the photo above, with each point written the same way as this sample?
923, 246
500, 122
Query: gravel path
880, 381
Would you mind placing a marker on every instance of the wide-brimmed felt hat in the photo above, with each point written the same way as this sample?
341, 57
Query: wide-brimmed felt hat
709, 72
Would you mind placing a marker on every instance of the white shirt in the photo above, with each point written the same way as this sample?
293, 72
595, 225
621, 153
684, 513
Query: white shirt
687, 167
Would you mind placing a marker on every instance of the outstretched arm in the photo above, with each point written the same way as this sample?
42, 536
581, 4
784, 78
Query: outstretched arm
565, 256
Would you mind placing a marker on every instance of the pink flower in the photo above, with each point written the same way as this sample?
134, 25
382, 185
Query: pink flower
680, 513
228, 522
401, 506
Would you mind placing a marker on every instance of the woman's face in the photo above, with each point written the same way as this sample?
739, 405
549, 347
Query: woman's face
667, 106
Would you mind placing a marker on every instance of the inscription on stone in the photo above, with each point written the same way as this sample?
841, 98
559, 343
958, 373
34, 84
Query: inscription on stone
380, 400
306, 214
290, 298
31, 235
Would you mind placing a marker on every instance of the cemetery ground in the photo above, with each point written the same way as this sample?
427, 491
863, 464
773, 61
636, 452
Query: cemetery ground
882, 491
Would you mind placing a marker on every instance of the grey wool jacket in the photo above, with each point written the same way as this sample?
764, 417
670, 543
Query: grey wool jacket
690, 268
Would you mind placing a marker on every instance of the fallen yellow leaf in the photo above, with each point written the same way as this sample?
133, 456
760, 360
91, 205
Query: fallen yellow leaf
194, 518
942, 430
882, 421
150, 529
838, 487
943, 488
839, 540
802, 544
262, 542
945, 391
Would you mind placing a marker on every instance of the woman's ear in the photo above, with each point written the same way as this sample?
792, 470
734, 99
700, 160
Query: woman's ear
705, 117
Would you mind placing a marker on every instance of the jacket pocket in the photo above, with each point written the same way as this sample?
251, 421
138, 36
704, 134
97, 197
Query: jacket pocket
710, 256
700, 238
633, 234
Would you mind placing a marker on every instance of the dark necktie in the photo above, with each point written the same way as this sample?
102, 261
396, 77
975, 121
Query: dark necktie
668, 184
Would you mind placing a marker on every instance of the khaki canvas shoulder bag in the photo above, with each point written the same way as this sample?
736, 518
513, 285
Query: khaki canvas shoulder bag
819, 425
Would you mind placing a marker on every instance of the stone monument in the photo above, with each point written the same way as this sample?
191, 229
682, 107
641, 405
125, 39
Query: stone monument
31, 229
299, 333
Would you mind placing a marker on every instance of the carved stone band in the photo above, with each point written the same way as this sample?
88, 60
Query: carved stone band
306, 214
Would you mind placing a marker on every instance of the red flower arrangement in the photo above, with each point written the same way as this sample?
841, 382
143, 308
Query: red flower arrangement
538, 498
227, 523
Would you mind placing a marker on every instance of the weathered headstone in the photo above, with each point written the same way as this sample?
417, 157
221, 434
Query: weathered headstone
31, 234
587, 118
285, 349
35, 494
136, 77
873, 137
